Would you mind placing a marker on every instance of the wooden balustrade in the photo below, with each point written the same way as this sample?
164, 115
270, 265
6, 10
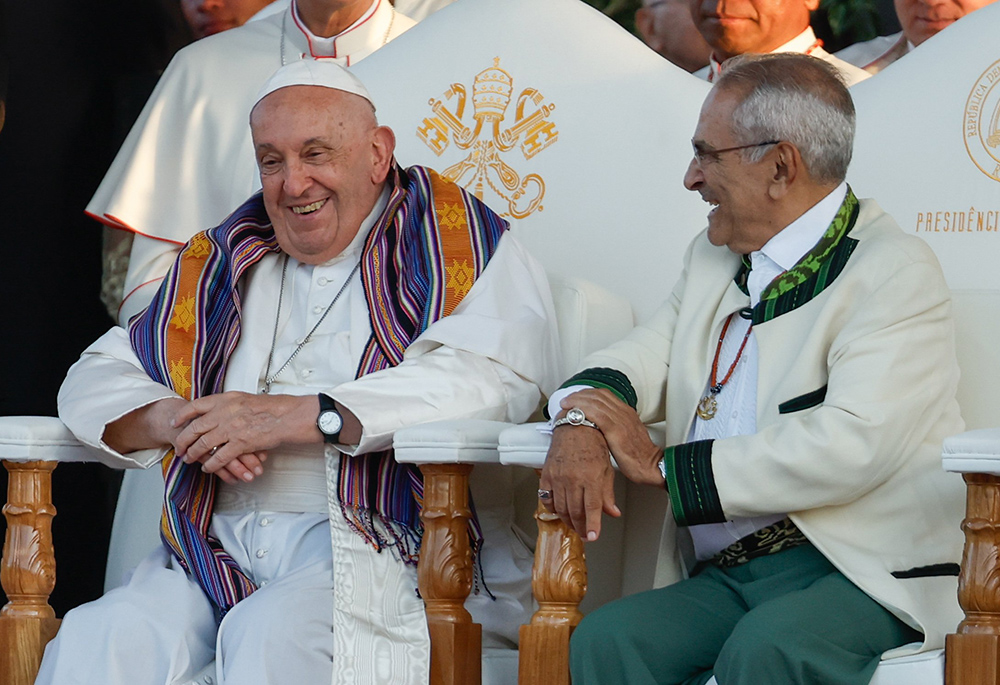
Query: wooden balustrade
445, 576
559, 582
28, 571
972, 654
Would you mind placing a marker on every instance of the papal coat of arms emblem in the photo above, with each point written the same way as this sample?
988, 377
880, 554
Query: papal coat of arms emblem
488, 141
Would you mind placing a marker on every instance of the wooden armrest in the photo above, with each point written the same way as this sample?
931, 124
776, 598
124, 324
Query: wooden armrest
446, 451
972, 654
559, 576
31, 447
28, 571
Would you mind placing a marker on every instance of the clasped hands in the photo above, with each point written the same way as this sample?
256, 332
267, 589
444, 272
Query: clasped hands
578, 467
229, 433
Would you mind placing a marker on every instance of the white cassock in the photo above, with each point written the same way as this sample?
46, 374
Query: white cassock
188, 160
805, 43
487, 360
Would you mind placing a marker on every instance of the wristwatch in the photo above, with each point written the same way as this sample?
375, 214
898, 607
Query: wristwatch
575, 417
329, 421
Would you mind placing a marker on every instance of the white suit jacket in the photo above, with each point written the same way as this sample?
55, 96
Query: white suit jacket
856, 391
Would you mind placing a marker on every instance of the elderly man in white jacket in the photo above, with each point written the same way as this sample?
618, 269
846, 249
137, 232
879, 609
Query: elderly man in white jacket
805, 366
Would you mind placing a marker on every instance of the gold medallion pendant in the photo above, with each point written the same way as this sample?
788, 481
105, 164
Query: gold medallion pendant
707, 408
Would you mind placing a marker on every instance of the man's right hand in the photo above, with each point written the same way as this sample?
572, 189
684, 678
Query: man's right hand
578, 471
155, 425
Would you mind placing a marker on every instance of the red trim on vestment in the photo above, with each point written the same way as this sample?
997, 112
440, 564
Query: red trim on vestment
114, 222
134, 291
295, 18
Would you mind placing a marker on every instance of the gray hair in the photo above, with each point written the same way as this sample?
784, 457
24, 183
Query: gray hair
794, 98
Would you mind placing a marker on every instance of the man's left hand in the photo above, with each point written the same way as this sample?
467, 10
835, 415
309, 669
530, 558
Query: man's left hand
241, 426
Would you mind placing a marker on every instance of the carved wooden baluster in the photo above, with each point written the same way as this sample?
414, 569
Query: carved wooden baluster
445, 576
559, 581
972, 656
28, 571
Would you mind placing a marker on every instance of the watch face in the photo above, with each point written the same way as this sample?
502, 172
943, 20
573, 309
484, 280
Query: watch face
575, 416
330, 422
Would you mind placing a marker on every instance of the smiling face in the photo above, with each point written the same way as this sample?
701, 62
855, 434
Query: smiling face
741, 216
323, 163
735, 27
207, 17
921, 19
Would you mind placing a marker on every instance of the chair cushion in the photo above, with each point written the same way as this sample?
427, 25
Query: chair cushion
926, 668
524, 445
975, 451
465, 441
40, 438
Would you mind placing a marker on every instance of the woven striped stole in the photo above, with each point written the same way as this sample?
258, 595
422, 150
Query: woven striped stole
420, 259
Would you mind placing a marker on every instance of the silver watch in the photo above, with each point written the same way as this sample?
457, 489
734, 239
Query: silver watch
574, 417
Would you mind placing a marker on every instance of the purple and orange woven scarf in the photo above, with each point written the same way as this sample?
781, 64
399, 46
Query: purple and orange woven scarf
419, 261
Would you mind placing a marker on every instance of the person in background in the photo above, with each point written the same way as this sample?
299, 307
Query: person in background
666, 27
217, 78
203, 18
208, 17
920, 20
737, 27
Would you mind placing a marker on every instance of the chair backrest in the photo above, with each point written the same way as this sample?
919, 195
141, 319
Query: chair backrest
977, 332
928, 149
560, 120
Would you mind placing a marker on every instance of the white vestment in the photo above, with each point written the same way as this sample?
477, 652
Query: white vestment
188, 160
876, 54
418, 10
807, 44
489, 359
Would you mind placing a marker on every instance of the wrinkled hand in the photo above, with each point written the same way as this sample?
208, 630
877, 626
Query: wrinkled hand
627, 438
230, 433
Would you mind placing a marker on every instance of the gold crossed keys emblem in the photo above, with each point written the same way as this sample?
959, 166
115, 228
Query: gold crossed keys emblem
487, 141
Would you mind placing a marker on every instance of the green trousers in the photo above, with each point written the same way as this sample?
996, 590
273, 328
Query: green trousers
788, 618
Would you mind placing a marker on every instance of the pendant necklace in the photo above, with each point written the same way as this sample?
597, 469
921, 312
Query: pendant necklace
269, 378
708, 406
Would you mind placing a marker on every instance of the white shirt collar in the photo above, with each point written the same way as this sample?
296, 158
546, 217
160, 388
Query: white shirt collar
804, 43
790, 244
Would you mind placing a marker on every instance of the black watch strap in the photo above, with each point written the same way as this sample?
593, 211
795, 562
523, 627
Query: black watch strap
324, 421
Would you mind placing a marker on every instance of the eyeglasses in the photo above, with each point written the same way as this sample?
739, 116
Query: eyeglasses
703, 155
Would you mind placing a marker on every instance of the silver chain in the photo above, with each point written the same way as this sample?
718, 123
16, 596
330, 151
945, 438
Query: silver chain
269, 378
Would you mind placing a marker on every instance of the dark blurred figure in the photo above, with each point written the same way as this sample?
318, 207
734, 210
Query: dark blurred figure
666, 26
208, 17
68, 63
